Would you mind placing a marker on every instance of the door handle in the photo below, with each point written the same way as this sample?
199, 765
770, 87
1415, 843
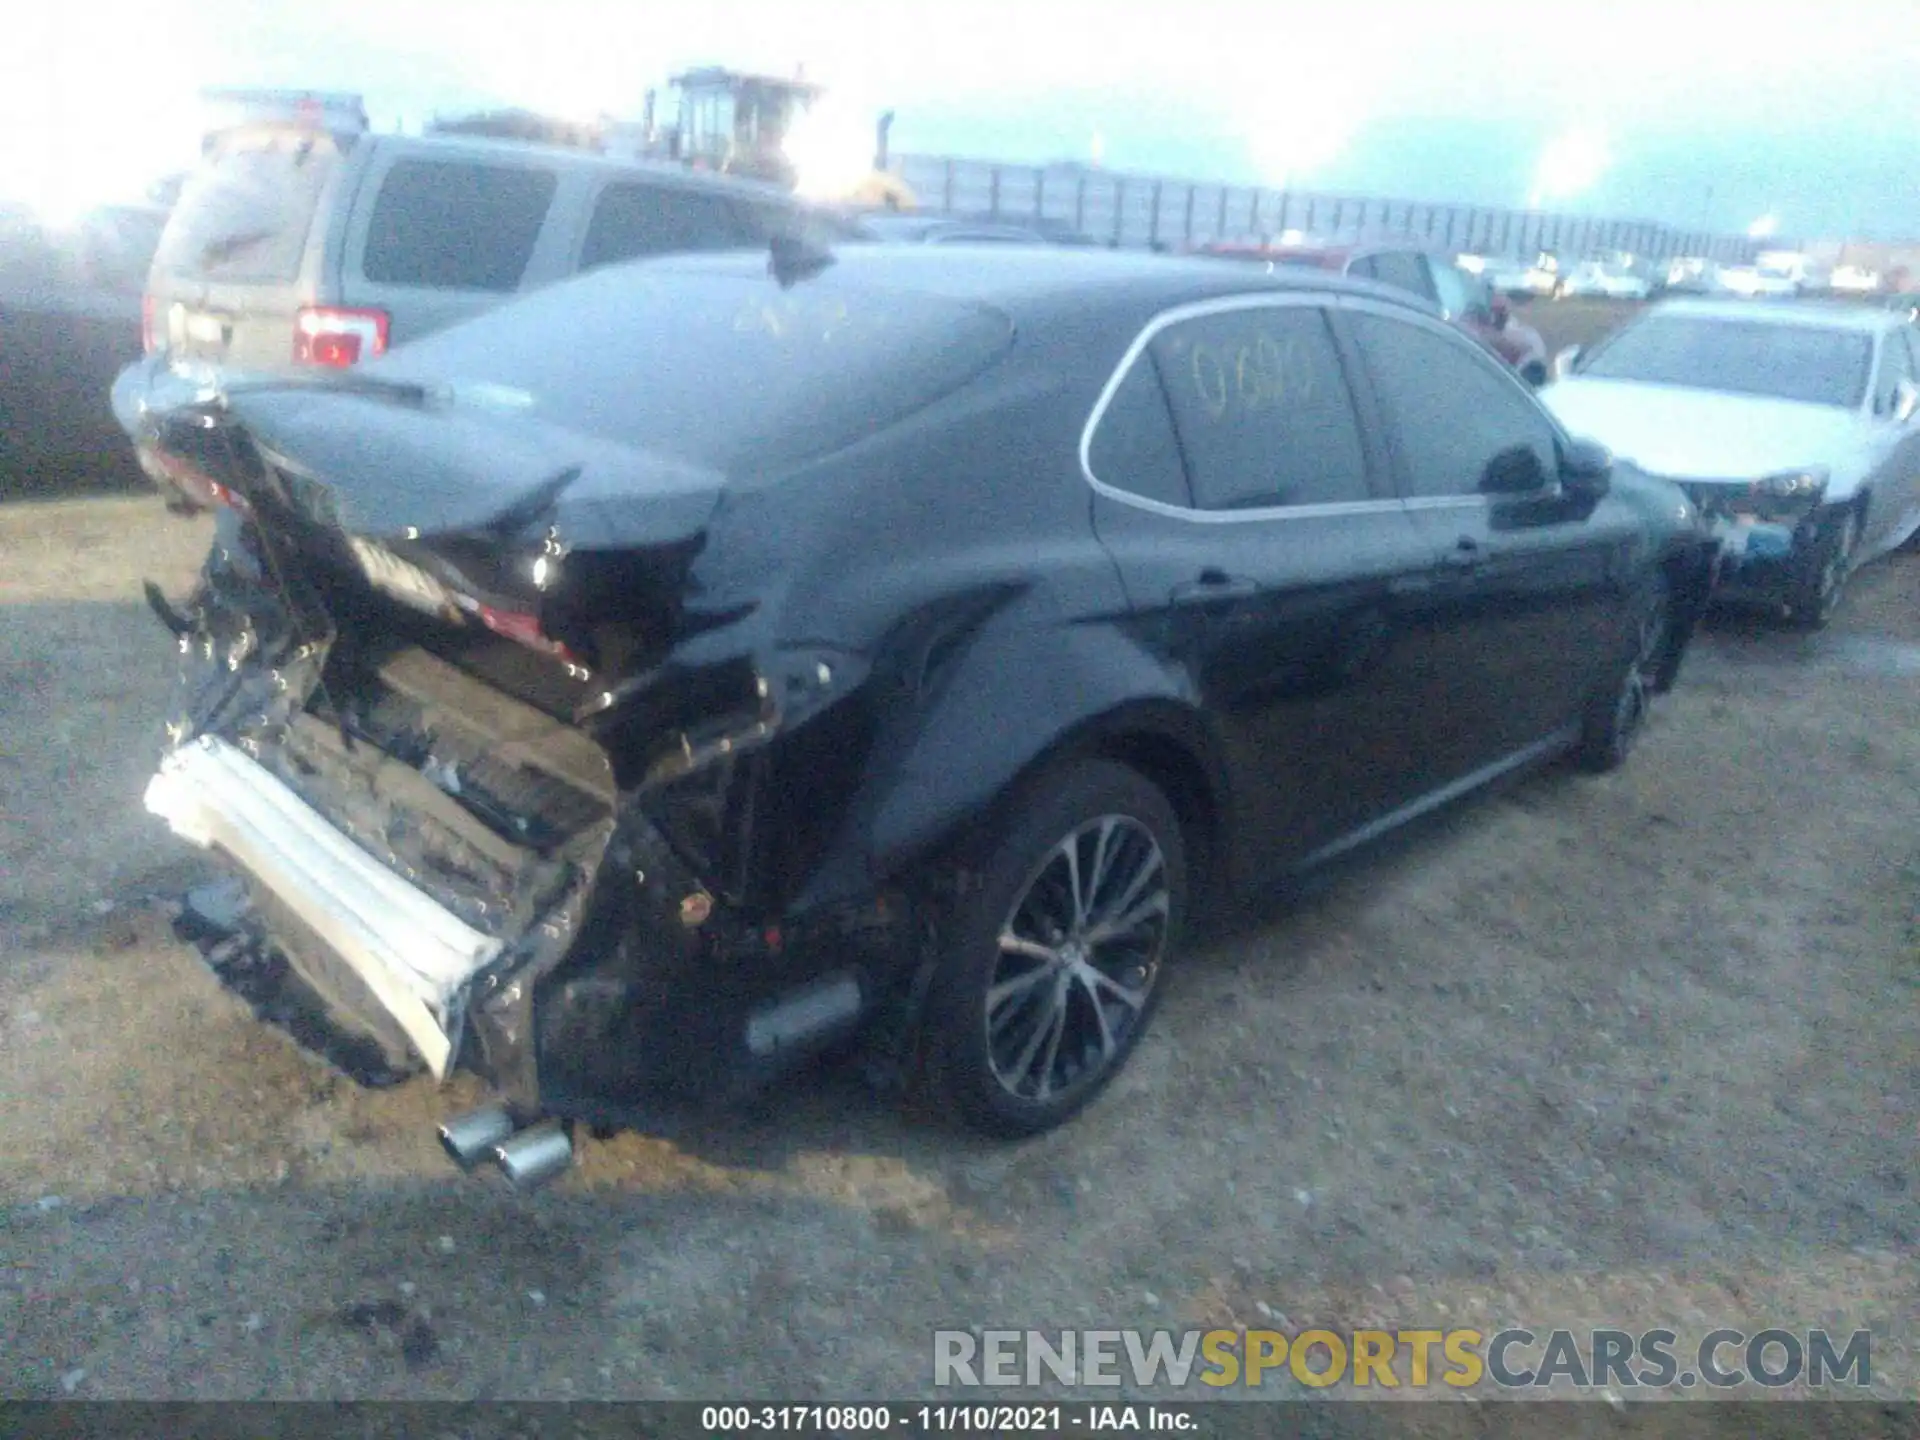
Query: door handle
1214, 589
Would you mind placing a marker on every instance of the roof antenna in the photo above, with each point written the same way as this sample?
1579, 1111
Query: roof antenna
793, 258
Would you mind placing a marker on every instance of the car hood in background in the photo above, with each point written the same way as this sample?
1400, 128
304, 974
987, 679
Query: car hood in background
1699, 434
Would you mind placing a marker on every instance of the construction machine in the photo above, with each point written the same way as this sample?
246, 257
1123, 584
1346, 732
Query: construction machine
747, 124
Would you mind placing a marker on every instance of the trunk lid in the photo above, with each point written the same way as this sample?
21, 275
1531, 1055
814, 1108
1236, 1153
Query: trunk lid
531, 556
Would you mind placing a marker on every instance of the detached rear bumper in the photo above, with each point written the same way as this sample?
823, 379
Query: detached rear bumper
414, 955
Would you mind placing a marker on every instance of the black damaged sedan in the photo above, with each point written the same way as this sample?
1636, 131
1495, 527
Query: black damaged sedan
713, 661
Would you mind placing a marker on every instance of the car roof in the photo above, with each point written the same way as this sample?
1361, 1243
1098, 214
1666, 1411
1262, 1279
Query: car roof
1034, 280
486, 147
1807, 314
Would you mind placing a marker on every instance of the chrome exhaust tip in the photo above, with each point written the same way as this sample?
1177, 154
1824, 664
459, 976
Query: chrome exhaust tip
471, 1138
535, 1156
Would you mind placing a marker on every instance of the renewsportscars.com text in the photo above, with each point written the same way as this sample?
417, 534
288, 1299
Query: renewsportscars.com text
1415, 1359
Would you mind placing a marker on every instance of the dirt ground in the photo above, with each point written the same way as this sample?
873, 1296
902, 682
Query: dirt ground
1630, 1051
1579, 321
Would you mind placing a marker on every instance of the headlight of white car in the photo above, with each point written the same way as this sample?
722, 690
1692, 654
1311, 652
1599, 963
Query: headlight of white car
1794, 485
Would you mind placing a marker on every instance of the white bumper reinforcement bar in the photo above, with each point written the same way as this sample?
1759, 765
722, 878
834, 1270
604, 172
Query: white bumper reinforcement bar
412, 952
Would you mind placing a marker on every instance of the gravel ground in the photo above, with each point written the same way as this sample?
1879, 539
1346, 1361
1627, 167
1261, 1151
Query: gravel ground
1631, 1051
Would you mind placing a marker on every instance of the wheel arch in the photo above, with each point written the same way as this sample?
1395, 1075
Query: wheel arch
1173, 763
1166, 741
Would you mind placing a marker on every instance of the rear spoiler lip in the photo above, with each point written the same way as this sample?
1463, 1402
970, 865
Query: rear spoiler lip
154, 384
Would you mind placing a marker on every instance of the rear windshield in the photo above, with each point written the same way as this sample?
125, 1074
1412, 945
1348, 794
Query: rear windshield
245, 214
1744, 357
720, 369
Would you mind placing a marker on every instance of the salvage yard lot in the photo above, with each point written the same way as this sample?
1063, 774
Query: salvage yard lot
1635, 1050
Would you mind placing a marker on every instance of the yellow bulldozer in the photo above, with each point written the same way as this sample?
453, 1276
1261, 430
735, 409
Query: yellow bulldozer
757, 126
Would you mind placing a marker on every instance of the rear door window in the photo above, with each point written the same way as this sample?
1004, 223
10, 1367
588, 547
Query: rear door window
245, 214
456, 224
632, 220
1134, 448
1261, 405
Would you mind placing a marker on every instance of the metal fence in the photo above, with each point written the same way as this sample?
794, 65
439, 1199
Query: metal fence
1149, 211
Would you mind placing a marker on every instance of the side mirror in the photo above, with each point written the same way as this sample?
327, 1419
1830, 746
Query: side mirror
1564, 362
1586, 469
1906, 401
1514, 471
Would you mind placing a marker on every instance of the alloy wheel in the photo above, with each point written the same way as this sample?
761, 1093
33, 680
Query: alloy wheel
1079, 954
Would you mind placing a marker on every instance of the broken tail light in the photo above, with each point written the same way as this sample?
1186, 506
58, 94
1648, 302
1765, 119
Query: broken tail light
149, 329
524, 628
334, 336
194, 484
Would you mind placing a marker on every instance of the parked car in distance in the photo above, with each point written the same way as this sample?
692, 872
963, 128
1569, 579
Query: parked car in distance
306, 239
1522, 279
1466, 299
1855, 280
589, 741
69, 322
1610, 282
1753, 283
1793, 427
1690, 275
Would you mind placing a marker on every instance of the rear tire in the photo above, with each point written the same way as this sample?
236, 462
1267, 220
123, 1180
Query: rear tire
1048, 968
1618, 713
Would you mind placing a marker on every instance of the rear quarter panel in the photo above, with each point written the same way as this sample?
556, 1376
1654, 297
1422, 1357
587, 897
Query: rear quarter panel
1018, 637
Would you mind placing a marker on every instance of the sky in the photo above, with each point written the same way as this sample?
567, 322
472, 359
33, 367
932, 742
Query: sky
1697, 113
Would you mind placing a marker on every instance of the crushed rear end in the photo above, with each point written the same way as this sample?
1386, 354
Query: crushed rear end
497, 702
473, 811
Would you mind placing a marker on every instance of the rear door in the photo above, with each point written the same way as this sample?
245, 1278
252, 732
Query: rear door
434, 238
235, 261
1261, 547
1529, 610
